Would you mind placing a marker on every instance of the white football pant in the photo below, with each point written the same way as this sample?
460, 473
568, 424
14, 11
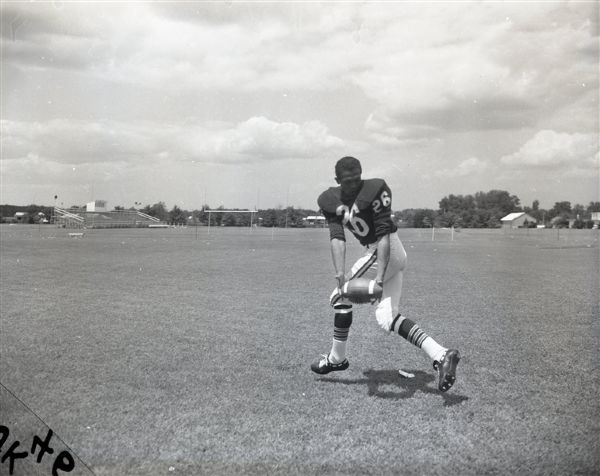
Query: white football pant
366, 266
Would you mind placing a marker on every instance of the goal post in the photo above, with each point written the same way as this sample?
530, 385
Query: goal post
251, 212
441, 230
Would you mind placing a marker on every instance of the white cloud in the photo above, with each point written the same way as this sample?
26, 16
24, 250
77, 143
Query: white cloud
156, 161
79, 142
490, 67
555, 150
257, 139
468, 167
456, 66
260, 137
387, 133
105, 86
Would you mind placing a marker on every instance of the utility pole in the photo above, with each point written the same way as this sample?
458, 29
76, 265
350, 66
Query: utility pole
287, 202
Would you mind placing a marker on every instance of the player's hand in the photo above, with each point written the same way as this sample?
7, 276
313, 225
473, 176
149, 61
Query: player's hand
378, 281
341, 279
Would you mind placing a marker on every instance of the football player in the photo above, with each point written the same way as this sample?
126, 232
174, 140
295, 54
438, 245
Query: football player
364, 207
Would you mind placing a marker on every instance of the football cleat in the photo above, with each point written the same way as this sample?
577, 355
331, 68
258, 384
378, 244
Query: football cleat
447, 369
324, 366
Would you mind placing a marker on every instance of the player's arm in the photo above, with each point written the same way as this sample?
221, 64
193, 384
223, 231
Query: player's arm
382, 219
338, 246
338, 254
383, 257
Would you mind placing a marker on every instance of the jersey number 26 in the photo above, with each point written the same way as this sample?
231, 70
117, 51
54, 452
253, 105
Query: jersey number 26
385, 202
359, 226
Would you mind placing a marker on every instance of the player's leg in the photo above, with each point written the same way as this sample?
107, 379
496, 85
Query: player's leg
444, 360
336, 359
342, 320
389, 317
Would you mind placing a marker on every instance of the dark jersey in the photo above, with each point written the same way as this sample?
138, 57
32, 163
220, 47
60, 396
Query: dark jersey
367, 214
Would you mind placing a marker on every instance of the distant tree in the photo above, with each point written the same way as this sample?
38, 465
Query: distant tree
578, 212
270, 217
593, 207
119, 208
561, 222
561, 209
404, 218
454, 208
451, 219
177, 216
217, 218
498, 200
424, 218
242, 219
158, 210
229, 219
457, 203
201, 216
279, 217
31, 210
535, 211
485, 209
497, 203
493, 222
529, 224
295, 217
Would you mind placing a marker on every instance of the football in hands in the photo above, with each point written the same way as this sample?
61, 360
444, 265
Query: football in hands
361, 290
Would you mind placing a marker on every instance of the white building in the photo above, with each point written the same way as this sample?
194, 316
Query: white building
517, 220
21, 217
314, 221
96, 206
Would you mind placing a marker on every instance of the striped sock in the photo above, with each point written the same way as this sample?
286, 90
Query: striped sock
416, 336
341, 328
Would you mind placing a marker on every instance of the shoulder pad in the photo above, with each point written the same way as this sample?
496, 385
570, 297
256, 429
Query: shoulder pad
368, 192
330, 199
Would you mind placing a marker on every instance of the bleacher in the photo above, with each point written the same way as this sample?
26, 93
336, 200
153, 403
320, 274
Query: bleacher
79, 218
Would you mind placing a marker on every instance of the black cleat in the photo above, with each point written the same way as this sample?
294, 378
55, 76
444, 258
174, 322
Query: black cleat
447, 369
324, 366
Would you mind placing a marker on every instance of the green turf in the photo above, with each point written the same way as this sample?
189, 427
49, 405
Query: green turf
176, 352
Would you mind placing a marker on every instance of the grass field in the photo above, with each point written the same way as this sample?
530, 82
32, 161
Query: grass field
175, 351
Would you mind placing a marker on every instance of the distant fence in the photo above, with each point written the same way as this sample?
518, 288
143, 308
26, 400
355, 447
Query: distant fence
77, 218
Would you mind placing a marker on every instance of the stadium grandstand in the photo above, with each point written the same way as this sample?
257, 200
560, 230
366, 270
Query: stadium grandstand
95, 215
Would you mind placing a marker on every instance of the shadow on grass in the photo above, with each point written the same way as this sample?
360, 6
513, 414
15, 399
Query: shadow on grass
374, 379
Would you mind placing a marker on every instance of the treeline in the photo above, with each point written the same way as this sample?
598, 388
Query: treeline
279, 217
486, 209
481, 210
35, 213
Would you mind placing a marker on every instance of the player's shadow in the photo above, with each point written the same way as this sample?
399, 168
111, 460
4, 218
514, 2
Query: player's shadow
376, 379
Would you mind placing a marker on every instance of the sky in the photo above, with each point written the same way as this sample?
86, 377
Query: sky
251, 104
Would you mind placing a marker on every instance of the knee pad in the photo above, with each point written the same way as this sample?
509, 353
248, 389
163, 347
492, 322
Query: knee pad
384, 313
